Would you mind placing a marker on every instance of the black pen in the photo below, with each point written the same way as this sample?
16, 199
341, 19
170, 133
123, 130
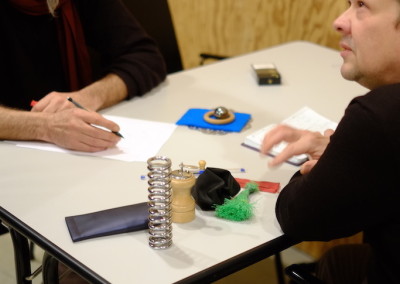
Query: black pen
81, 107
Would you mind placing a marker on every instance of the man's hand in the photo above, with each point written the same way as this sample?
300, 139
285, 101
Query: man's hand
299, 142
56, 120
101, 94
74, 129
56, 101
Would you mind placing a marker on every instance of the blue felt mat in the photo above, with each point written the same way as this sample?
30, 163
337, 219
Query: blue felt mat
194, 117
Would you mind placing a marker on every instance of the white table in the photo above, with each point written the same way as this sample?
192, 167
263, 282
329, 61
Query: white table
39, 189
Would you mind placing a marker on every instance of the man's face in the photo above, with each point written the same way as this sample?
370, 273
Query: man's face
371, 42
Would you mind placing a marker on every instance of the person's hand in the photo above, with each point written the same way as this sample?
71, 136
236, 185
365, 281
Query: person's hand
307, 166
299, 142
75, 129
53, 102
57, 101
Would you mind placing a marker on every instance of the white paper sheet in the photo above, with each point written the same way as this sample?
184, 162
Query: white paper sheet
305, 118
142, 140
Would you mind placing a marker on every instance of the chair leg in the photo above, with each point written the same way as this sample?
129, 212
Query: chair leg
206, 56
31, 250
50, 269
279, 269
302, 273
3, 229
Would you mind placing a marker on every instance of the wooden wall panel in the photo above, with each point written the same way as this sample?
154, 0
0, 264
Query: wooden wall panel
232, 27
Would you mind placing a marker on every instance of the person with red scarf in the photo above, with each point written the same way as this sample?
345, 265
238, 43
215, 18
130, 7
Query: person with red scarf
93, 51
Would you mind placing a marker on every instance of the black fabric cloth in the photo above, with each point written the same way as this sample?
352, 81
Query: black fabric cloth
354, 186
107, 222
30, 63
213, 186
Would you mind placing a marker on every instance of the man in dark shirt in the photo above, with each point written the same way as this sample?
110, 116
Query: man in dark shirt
47, 54
350, 184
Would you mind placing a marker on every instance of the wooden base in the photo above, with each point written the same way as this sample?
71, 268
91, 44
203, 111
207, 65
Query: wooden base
183, 217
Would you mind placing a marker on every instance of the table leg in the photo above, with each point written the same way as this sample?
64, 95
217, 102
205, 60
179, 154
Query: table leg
21, 256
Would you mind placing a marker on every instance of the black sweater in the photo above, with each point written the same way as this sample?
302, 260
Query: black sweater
30, 64
354, 186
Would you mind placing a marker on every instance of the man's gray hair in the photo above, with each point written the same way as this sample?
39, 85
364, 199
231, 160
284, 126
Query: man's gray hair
52, 4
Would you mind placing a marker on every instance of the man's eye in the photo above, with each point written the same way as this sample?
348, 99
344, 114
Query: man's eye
360, 3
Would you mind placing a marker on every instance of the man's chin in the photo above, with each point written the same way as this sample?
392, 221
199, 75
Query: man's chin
349, 73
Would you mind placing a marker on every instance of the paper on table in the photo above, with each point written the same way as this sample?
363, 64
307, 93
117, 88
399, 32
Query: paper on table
142, 140
305, 118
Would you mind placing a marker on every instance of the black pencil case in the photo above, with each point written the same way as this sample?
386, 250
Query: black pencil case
107, 222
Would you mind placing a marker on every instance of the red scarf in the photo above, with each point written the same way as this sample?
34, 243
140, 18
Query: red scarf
74, 54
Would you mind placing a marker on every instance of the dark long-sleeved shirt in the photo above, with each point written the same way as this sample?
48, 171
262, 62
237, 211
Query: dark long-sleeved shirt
30, 63
355, 185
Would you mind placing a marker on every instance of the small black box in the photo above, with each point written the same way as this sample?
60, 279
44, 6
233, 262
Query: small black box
266, 74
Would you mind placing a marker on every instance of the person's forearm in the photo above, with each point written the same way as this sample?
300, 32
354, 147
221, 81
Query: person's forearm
21, 125
103, 93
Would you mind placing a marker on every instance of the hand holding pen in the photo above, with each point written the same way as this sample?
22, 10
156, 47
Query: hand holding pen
86, 131
81, 107
33, 103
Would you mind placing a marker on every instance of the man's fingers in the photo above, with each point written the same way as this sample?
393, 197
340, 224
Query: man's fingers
277, 135
292, 149
52, 103
74, 129
329, 132
100, 121
307, 166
